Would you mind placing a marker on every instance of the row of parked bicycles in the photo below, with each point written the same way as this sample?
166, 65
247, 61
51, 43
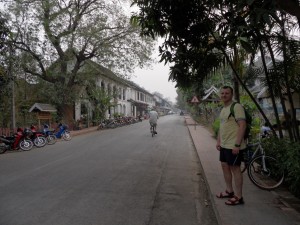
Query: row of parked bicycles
26, 138
118, 122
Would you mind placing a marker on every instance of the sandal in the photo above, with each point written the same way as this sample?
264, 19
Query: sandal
235, 201
227, 194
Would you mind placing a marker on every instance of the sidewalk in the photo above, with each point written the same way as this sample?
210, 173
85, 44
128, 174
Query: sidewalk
83, 131
260, 208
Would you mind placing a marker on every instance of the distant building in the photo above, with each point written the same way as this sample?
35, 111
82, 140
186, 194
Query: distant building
130, 100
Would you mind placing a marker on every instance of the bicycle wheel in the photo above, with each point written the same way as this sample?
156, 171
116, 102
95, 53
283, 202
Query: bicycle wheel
264, 172
244, 165
152, 131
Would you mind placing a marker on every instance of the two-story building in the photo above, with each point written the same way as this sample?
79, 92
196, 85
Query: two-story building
129, 98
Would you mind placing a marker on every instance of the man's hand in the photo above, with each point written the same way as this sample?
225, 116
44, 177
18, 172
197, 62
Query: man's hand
236, 150
218, 147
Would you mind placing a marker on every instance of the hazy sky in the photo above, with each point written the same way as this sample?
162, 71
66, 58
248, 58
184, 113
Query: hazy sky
156, 79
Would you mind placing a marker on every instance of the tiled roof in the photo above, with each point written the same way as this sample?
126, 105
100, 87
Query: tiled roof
40, 107
211, 92
111, 75
104, 71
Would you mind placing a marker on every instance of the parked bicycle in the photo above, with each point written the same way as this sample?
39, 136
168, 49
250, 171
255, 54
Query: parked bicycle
263, 170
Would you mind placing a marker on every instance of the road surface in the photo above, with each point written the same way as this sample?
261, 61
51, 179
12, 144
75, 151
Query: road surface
120, 176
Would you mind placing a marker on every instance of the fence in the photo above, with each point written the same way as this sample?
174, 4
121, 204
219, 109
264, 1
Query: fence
7, 131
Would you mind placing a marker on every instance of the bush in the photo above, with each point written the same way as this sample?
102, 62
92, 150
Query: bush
216, 127
288, 155
255, 127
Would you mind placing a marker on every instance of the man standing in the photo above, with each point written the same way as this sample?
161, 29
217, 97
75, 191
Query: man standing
153, 116
231, 143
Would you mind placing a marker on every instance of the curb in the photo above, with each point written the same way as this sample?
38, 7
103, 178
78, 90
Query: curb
83, 131
211, 197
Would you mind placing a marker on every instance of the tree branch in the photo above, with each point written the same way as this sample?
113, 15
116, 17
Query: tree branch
290, 6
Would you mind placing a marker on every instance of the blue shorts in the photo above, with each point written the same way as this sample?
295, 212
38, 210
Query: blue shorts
231, 159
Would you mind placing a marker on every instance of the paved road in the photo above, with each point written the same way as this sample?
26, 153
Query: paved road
121, 176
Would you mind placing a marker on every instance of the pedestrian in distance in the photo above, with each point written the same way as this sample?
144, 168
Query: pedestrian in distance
231, 144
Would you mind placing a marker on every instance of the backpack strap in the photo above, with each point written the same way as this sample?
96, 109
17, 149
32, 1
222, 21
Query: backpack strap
232, 110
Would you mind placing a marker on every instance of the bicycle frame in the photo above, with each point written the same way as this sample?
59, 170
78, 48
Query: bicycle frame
152, 129
258, 151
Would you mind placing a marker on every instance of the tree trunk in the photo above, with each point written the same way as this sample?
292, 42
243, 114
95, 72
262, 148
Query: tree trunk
68, 112
282, 101
293, 120
235, 81
270, 87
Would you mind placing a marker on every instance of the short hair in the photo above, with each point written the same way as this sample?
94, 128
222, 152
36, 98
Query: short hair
228, 87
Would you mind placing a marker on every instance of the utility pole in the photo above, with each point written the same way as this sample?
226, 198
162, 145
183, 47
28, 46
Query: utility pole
13, 109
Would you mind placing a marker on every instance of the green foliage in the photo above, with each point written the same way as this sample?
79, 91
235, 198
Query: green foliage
255, 126
91, 30
252, 109
288, 155
248, 103
101, 101
116, 115
216, 127
199, 39
4, 31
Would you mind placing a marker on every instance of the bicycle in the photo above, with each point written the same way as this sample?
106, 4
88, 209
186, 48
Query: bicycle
262, 169
152, 130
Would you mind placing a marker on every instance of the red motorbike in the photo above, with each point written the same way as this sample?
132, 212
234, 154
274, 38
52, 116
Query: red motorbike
19, 140
38, 138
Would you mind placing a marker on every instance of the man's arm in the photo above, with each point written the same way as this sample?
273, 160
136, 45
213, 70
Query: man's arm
218, 145
240, 135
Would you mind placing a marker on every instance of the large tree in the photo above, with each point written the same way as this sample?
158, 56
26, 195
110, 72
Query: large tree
56, 38
200, 36
5, 79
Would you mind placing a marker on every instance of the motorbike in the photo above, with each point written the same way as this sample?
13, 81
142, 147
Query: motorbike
25, 142
37, 138
6, 143
19, 140
63, 132
49, 135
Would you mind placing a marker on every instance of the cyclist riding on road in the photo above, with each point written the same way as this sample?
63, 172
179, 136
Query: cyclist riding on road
153, 116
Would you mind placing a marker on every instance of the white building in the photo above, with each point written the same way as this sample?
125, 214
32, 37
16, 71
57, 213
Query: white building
130, 99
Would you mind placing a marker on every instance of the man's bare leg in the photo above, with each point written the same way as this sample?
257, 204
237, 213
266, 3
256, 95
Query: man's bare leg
227, 176
238, 180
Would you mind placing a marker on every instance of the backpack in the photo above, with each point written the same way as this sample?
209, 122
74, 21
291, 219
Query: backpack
248, 119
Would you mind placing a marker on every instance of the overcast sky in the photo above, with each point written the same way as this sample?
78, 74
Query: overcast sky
156, 80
